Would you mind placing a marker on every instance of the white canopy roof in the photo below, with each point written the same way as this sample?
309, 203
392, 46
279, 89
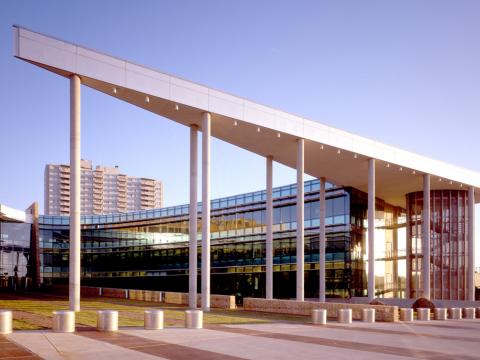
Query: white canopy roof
337, 155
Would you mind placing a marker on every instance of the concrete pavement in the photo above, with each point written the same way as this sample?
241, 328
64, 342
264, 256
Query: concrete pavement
452, 339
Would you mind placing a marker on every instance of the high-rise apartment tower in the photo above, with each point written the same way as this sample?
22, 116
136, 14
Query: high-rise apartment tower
104, 190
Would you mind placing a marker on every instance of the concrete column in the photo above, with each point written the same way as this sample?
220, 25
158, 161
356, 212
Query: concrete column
74, 253
192, 223
471, 245
408, 277
395, 257
269, 230
323, 243
300, 220
206, 126
371, 229
426, 236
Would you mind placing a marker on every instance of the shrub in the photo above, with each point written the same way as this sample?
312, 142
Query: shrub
423, 303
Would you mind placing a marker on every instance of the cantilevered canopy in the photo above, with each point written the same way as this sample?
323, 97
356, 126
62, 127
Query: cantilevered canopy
9, 214
337, 155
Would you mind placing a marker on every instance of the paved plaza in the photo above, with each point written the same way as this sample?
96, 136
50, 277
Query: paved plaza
451, 339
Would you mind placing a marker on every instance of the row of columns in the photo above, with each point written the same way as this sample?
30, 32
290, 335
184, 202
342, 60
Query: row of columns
74, 257
300, 288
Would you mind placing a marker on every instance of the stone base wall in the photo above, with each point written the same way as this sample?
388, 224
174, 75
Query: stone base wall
216, 301
294, 307
146, 295
176, 298
407, 303
114, 293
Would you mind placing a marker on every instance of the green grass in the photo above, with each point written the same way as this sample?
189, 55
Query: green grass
130, 313
25, 325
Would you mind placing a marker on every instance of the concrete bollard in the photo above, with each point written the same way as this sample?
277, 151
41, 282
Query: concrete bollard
406, 314
423, 314
469, 313
344, 316
368, 315
319, 316
193, 319
64, 321
5, 322
107, 320
153, 319
440, 314
455, 313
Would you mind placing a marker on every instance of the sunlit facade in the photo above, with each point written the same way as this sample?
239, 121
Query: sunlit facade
448, 243
149, 249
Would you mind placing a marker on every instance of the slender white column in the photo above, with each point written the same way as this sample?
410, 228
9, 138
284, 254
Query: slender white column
471, 245
300, 221
269, 234
371, 229
426, 236
206, 125
323, 242
192, 224
74, 253
408, 278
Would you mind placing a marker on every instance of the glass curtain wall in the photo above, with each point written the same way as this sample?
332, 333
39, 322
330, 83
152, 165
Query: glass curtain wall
15, 255
448, 243
150, 251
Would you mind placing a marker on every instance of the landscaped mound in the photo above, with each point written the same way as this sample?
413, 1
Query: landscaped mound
423, 303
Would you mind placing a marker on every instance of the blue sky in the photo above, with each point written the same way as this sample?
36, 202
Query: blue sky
405, 73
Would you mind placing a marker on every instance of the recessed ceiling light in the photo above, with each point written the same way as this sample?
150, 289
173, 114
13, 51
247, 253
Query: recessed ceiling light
355, 156
258, 129
451, 182
388, 165
413, 172
278, 135
338, 151
400, 169
147, 99
176, 107
114, 90
440, 179
321, 147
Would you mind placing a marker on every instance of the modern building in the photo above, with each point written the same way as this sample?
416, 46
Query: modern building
104, 190
19, 247
149, 249
385, 186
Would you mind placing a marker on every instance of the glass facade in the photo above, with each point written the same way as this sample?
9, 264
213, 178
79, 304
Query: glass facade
448, 243
15, 255
149, 249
